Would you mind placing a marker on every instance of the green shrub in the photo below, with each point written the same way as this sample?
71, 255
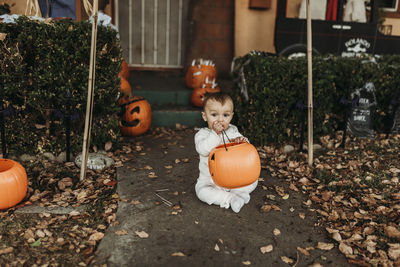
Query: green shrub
47, 76
276, 108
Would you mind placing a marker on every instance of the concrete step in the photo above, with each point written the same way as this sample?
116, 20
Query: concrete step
171, 97
170, 115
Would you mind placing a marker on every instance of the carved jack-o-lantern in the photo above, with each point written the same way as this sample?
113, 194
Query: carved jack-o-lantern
234, 165
198, 95
136, 115
198, 72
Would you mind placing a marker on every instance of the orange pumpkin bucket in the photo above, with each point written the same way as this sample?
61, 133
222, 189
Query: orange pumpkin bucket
234, 165
13, 183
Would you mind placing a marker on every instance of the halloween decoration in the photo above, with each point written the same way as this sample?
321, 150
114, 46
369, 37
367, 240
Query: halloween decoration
198, 94
13, 183
136, 115
198, 72
125, 87
234, 165
124, 70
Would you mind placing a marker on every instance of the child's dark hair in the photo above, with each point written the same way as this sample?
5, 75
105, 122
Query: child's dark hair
220, 97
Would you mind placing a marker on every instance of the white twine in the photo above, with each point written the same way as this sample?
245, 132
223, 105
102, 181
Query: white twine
32, 7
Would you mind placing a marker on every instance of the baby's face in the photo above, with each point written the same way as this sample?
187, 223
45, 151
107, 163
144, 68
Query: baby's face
214, 111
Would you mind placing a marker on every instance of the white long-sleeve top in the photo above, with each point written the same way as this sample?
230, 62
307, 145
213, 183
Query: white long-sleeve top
206, 140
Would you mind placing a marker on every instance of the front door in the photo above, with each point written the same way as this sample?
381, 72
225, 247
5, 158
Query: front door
151, 32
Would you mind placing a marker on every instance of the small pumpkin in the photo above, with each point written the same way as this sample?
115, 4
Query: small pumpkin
124, 73
13, 183
125, 87
136, 115
234, 165
198, 95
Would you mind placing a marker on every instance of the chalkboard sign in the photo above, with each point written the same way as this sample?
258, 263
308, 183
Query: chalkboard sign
360, 118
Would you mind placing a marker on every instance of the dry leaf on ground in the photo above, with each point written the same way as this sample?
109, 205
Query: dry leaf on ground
266, 249
325, 246
142, 234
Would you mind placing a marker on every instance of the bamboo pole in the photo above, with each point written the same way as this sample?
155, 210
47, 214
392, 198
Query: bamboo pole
310, 89
89, 104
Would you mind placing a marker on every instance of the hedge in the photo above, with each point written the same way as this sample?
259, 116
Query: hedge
44, 72
276, 107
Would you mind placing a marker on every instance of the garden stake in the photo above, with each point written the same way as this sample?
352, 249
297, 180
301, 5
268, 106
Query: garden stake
3, 136
68, 126
310, 93
89, 104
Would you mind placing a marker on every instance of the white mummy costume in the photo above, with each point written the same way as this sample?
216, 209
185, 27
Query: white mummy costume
206, 190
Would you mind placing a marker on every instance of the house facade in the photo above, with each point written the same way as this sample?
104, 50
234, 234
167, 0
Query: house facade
169, 34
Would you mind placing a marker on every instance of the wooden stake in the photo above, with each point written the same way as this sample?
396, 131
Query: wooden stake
89, 104
310, 89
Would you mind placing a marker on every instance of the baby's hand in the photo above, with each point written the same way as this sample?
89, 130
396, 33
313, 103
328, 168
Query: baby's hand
218, 127
240, 139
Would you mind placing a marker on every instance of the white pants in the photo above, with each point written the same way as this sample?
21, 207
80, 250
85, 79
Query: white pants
212, 194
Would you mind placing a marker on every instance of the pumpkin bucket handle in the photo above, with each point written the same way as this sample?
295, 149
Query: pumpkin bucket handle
223, 139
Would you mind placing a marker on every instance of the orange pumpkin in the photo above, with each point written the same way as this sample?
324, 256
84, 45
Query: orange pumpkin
235, 166
136, 115
198, 95
13, 183
125, 87
124, 73
197, 74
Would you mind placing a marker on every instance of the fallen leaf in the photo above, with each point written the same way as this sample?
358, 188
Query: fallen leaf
37, 243
178, 254
302, 215
394, 251
142, 234
216, 248
392, 232
325, 246
304, 251
108, 146
6, 250
265, 208
152, 175
121, 232
276, 232
345, 249
96, 236
287, 260
266, 249
147, 167
285, 196
168, 167
74, 213
246, 262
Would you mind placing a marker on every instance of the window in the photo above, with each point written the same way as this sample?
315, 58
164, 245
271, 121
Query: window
388, 5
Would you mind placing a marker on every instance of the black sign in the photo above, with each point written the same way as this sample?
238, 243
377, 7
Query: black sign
360, 118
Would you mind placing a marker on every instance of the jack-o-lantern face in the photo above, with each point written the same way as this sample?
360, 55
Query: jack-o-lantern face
198, 95
234, 165
136, 115
198, 73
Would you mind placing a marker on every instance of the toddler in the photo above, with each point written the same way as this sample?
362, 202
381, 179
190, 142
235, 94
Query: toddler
218, 113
